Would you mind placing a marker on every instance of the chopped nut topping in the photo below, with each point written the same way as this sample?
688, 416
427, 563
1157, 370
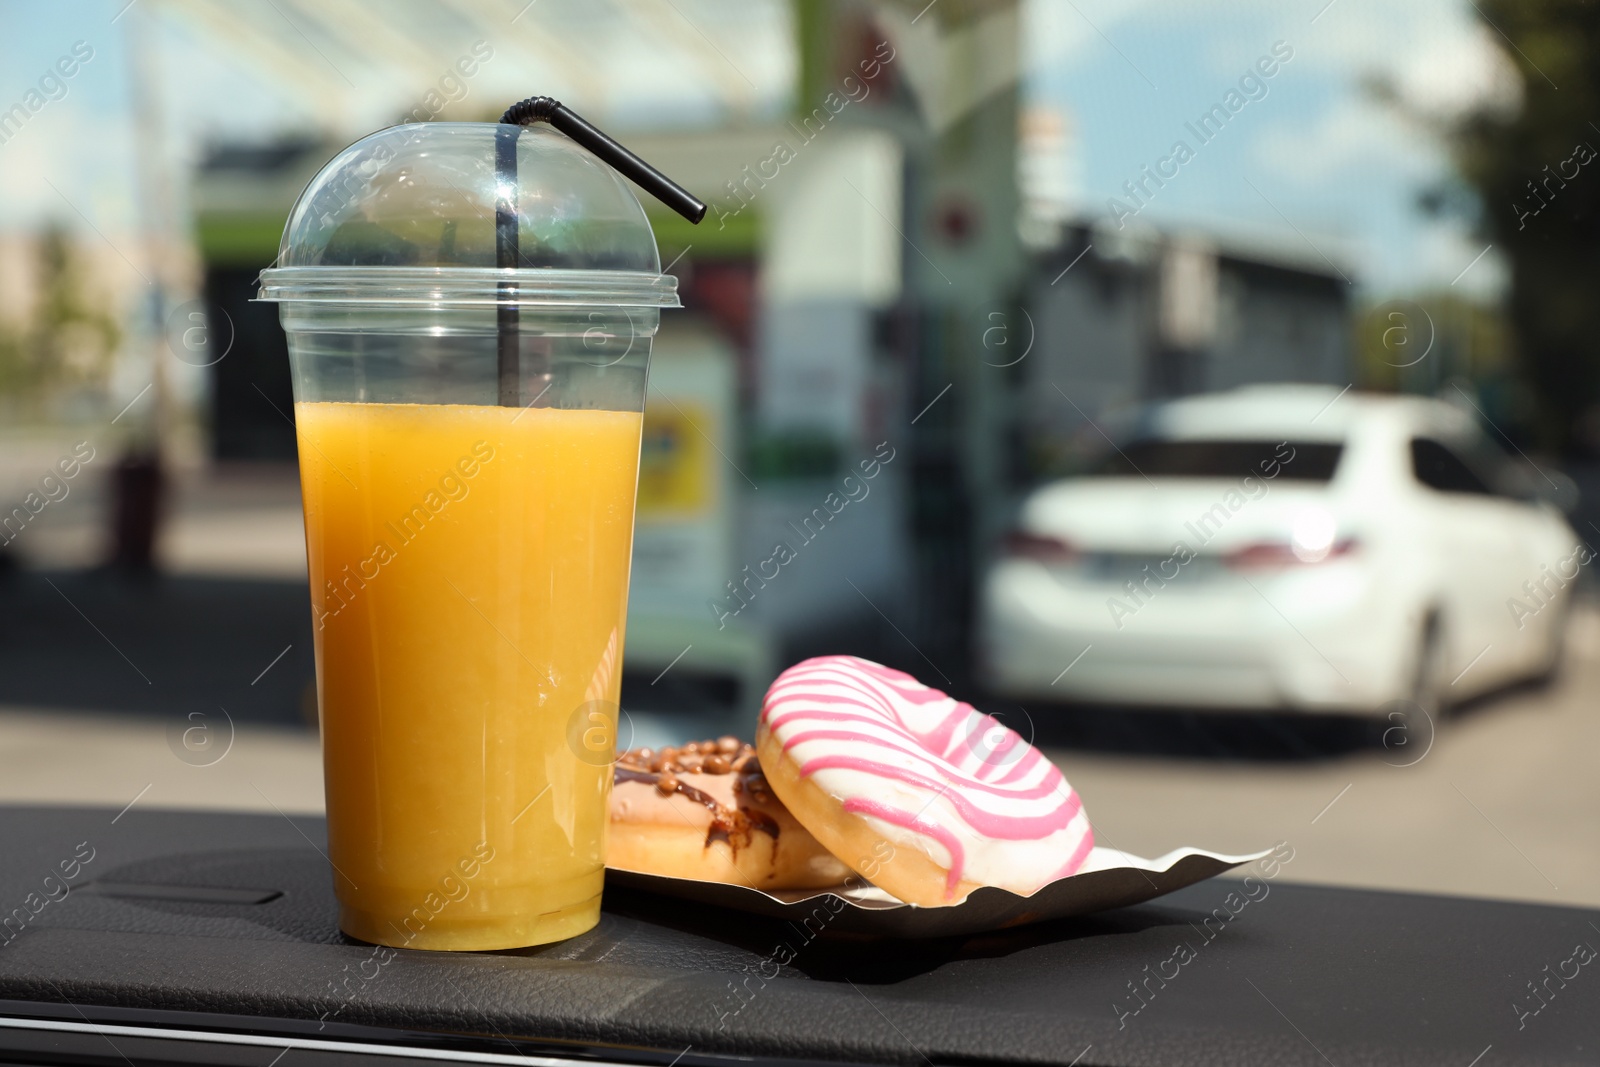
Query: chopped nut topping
726, 755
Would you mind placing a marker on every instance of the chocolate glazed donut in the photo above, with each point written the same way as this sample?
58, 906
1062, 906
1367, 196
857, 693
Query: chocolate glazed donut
704, 811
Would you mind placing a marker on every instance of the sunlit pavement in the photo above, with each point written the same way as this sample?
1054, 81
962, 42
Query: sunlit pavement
62, 757
1504, 803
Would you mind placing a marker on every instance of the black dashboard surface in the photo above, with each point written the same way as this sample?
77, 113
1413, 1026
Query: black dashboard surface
226, 923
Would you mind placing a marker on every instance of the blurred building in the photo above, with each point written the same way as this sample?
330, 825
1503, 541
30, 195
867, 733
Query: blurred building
834, 298
1123, 319
1050, 172
242, 195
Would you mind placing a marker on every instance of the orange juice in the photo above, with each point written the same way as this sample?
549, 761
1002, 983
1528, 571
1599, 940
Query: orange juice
469, 576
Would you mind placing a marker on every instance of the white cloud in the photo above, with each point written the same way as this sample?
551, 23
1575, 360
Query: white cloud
1365, 162
1454, 73
85, 159
1439, 53
1353, 134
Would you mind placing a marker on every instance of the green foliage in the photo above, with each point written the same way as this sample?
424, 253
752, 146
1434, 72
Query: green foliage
1537, 176
794, 455
68, 341
1417, 346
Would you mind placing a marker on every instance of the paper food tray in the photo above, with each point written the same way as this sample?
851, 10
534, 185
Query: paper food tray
1109, 879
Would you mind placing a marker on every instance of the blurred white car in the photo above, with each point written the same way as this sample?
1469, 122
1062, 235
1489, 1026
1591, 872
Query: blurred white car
1285, 547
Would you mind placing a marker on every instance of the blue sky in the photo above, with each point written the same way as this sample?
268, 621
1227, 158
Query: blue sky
1340, 167
1314, 165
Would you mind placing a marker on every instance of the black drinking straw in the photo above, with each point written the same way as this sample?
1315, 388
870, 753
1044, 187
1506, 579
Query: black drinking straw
507, 252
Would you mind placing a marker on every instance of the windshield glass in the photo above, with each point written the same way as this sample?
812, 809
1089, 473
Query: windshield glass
1206, 390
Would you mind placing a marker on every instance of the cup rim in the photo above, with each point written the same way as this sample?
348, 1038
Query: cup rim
467, 287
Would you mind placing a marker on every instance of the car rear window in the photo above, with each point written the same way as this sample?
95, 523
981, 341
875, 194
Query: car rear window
1305, 461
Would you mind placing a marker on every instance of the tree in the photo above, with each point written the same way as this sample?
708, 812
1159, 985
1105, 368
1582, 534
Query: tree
68, 340
1536, 173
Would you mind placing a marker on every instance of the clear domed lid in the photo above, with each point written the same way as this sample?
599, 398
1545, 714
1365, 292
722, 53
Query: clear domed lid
407, 215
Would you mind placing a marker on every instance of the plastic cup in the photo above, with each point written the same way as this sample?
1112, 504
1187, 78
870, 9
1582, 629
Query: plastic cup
469, 499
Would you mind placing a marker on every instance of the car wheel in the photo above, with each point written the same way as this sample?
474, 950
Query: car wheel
1430, 686
1555, 654
1406, 726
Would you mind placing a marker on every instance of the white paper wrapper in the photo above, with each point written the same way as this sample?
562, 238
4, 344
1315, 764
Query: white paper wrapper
1109, 879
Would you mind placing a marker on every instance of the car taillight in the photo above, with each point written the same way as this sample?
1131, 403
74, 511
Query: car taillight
1041, 547
1267, 554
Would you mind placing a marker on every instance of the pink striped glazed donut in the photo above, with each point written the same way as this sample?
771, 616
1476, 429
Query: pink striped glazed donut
922, 794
